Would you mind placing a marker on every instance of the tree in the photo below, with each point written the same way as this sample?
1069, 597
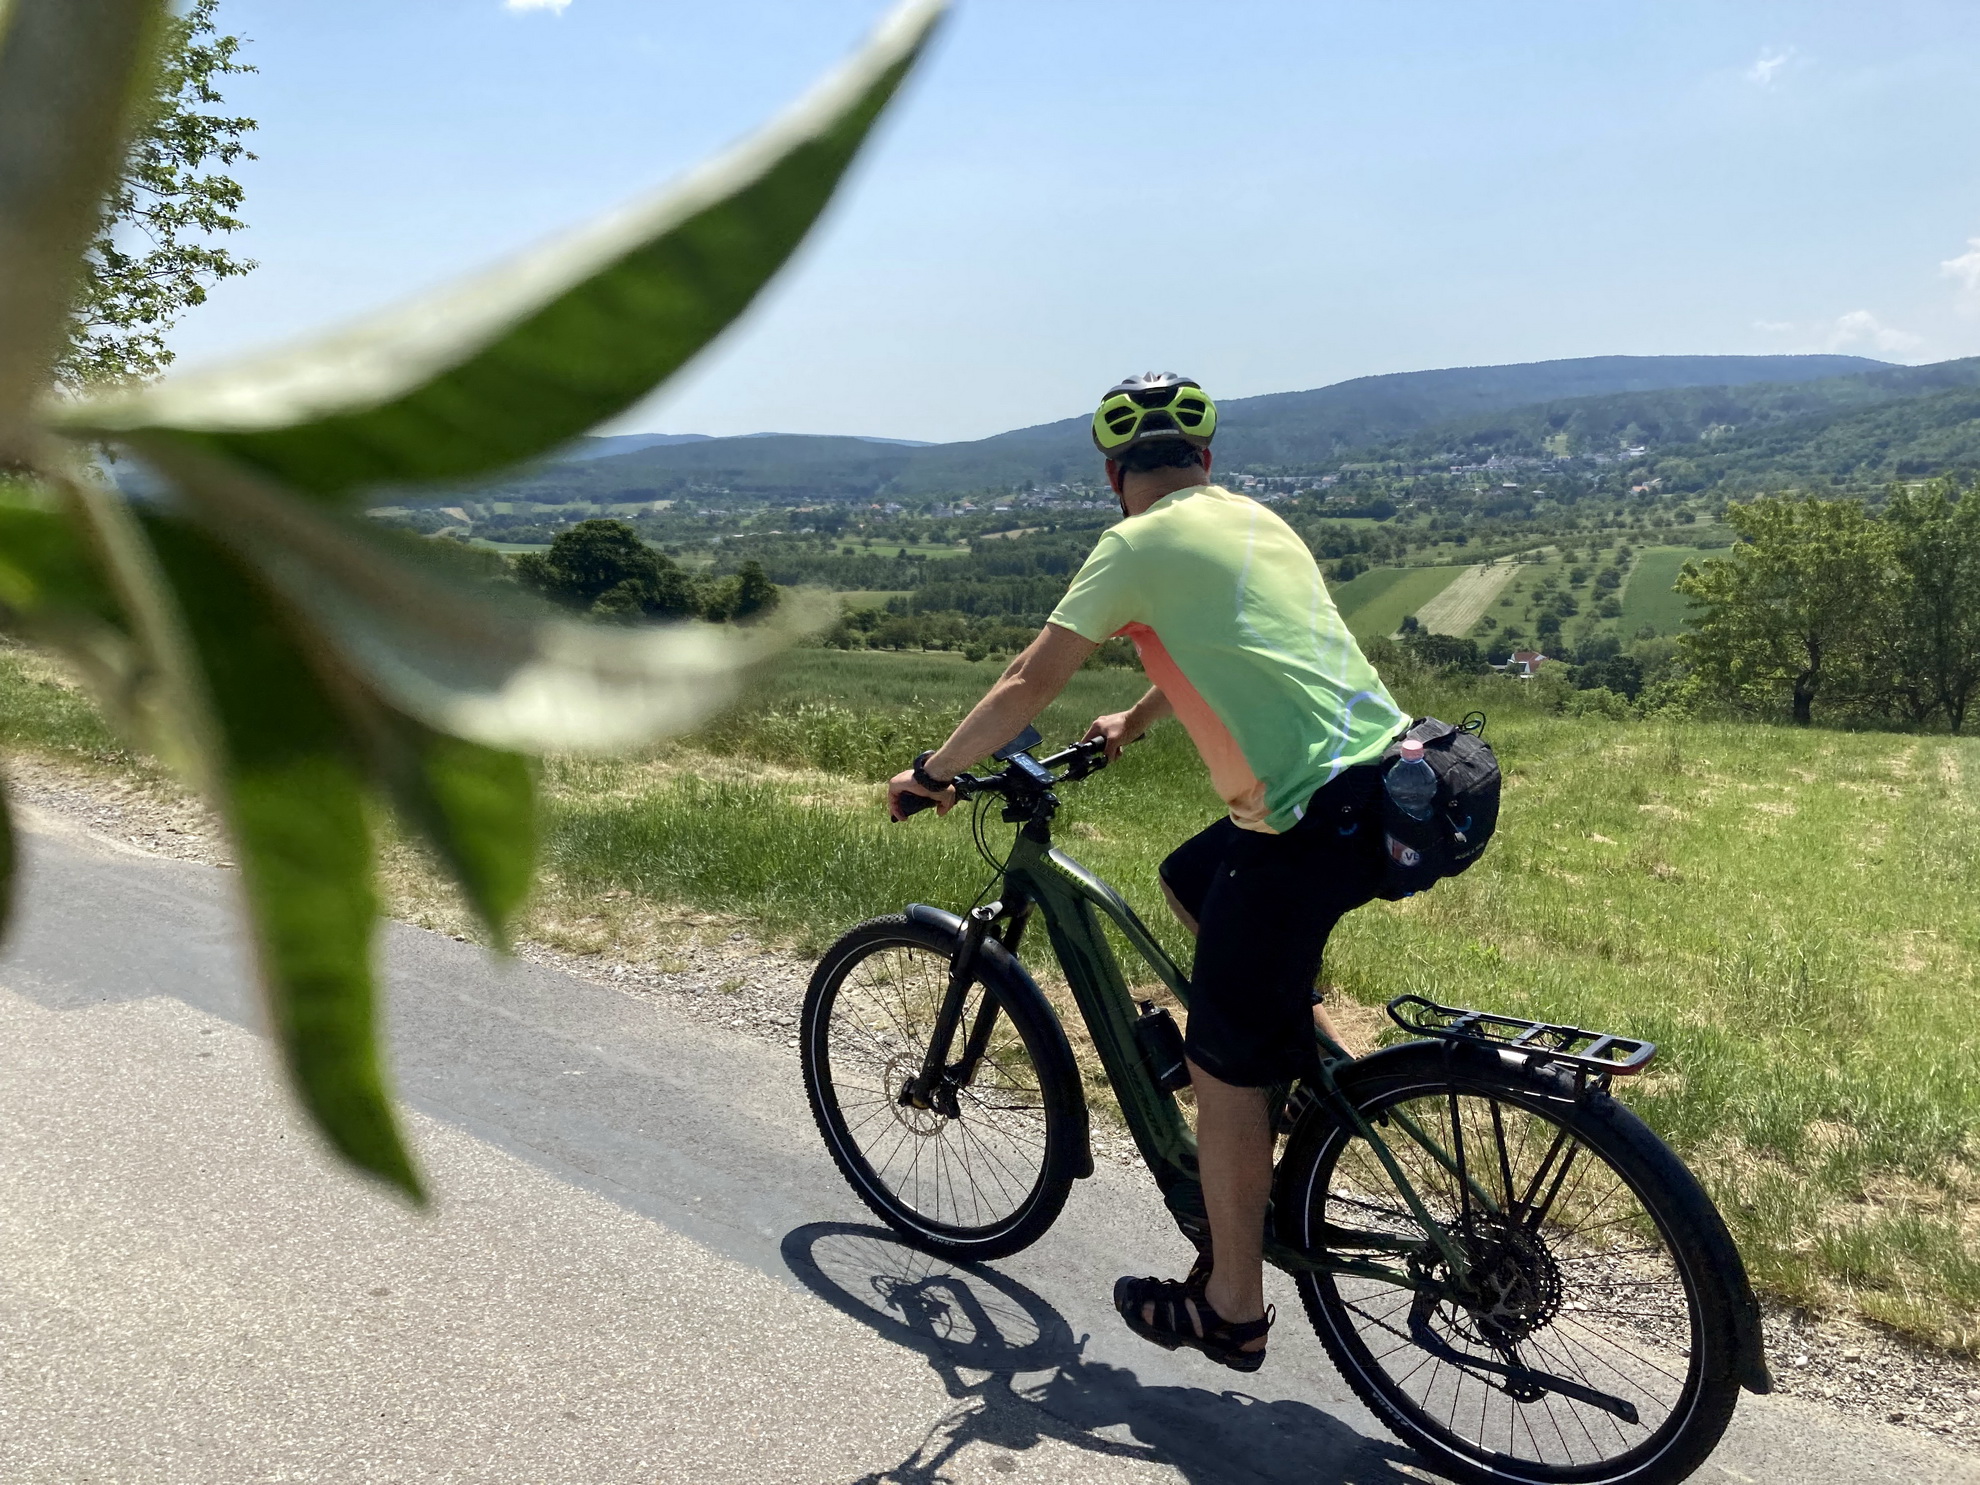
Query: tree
1791, 612
1934, 620
1622, 674
1443, 651
153, 256
755, 596
604, 569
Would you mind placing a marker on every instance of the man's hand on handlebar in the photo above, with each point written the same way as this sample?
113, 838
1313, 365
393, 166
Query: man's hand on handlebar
901, 788
1116, 729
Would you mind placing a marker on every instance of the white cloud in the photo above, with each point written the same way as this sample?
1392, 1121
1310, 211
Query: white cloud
1774, 327
1966, 268
555, 7
1860, 327
1764, 69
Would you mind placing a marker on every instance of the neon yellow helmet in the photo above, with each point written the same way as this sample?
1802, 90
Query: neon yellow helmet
1152, 406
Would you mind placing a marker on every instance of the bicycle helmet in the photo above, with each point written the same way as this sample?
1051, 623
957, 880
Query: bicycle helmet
1152, 406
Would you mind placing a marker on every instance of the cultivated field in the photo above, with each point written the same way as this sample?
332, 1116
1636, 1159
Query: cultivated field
1789, 914
1464, 602
1376, 602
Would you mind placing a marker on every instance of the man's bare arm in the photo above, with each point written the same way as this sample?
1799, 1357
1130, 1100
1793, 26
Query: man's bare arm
1027, 686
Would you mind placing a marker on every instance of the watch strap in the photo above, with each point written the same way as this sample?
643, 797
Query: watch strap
926, 780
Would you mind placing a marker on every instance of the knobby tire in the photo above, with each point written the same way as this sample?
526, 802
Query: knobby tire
978, 1186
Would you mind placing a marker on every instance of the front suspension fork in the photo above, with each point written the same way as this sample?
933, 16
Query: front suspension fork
935, 1085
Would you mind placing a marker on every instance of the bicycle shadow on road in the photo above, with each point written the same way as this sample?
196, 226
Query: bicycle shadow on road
1037, 1385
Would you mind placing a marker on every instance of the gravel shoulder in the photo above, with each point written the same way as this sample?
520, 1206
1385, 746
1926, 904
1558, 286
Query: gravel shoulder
706, 968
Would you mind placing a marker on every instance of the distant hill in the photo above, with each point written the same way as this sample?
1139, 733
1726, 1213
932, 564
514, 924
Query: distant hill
1677, 415
1890, 423
1859, 449
597, 446
1279, 429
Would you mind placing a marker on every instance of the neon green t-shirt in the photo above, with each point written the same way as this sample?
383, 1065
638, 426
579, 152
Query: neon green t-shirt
1228, 612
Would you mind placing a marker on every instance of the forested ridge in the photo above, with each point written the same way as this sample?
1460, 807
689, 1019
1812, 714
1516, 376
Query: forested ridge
1303, 430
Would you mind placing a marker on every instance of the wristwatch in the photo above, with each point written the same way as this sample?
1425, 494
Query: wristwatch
925, 779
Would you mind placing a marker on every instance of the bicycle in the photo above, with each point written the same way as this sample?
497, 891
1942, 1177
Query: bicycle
1519, 1278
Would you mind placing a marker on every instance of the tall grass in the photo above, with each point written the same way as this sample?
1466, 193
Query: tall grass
866, 715
42, 710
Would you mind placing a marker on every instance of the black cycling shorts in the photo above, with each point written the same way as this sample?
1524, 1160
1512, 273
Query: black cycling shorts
1264, 905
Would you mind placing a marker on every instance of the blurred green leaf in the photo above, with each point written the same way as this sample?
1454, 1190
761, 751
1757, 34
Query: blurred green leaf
46, 570
477, 806
292, 790
528, 356
278, 653
53, 591
66, 73
472, 662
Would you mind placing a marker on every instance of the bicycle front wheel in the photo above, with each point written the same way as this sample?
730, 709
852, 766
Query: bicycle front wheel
1591, 1339
984, 1167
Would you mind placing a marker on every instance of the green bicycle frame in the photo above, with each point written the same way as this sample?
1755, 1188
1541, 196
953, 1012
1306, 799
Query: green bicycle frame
1072, 899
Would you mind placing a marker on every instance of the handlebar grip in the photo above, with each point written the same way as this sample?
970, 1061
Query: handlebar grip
913, 804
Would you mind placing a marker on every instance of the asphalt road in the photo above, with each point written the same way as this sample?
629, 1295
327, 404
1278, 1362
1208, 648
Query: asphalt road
641, 1267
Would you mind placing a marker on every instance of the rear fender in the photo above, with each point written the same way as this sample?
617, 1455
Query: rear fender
1015, 982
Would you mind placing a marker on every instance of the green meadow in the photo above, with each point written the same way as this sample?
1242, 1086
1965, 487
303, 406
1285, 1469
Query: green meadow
1789, 914
1648, 598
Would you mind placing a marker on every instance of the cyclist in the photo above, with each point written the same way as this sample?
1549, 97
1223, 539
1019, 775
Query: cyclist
1243, 645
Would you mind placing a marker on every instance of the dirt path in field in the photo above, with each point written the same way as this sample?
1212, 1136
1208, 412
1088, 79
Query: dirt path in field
1464, 602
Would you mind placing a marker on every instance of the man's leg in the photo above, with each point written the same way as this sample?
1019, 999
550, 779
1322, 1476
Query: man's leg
1234, 1158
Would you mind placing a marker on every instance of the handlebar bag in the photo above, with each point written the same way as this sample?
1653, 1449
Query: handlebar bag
1465, 812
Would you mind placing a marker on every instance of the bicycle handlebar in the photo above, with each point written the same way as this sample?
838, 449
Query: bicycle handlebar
1022, 775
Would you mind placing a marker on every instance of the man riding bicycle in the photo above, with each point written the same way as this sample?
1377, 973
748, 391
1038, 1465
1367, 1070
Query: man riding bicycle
1243, 645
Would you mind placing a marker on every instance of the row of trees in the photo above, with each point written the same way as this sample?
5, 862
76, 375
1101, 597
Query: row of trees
603, 569
1825, 604
973, 636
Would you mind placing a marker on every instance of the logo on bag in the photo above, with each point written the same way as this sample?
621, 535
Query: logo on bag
1403, 855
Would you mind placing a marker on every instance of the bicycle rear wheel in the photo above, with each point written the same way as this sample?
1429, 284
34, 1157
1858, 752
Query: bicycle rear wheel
1595, 1342
984, 1171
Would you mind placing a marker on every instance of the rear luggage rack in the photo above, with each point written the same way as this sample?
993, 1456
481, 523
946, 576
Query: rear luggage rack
1570, 1046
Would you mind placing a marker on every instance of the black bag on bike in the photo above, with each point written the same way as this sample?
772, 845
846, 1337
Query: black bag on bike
1420, 853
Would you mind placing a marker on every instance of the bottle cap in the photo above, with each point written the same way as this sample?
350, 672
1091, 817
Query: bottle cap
1412, 748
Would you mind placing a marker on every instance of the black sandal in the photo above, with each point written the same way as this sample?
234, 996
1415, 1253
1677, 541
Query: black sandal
1183, 1317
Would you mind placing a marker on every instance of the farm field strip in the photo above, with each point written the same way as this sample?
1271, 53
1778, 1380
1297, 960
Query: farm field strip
1464, 602
1375, 603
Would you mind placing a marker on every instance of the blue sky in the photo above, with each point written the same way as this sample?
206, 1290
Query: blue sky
1265, 196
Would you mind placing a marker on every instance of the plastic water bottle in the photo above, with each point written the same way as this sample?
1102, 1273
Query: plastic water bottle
1412, 782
